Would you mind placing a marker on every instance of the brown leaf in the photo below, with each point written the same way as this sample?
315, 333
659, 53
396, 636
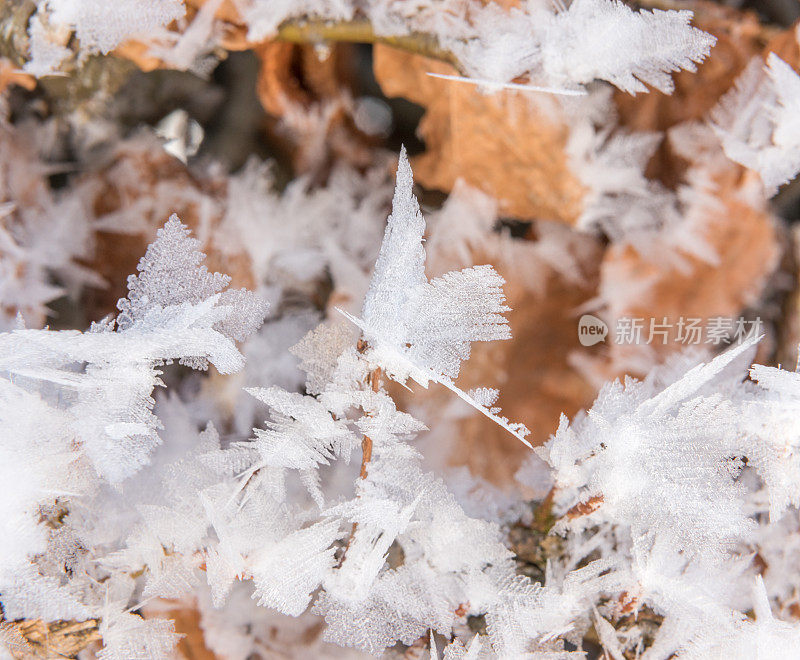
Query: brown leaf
531, 370
745, 241
739, 37
308, 93
502, 144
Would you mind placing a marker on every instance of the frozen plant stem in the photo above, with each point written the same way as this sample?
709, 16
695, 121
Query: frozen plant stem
360, 31
374, 381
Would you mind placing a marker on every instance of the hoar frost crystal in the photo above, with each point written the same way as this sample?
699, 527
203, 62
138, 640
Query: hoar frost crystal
675, 481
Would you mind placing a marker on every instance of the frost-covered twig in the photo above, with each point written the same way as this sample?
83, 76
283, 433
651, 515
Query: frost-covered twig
374, 382
360, 31
542, 48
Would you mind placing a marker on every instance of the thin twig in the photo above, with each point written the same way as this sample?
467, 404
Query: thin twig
360, 31
374, 381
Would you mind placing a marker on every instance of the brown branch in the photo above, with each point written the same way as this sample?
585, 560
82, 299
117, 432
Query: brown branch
366, 455
374, 381
360, 31
585, 508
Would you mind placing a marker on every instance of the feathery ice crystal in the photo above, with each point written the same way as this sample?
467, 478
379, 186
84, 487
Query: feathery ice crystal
662, 493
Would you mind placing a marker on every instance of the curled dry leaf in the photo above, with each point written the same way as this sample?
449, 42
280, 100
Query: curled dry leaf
307, 92
739, 37
532, 371
504, 144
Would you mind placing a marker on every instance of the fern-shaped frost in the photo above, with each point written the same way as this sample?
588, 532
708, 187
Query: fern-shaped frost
630, 49
423, 330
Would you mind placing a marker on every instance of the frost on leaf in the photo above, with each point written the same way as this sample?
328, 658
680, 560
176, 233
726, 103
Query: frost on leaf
129, 637
171, 274
422, 329
614, 459
630, 49
758, 121
102, 26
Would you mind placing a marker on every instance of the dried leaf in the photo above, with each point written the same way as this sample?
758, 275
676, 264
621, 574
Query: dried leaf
745, 241
531, 370
307, 92
504, 144
739, 37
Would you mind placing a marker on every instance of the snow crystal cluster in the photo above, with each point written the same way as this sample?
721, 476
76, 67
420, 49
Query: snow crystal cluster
666, 514
757, 121
100, 516
662, 494
78, 422
675, 481
549, 46
630, 49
